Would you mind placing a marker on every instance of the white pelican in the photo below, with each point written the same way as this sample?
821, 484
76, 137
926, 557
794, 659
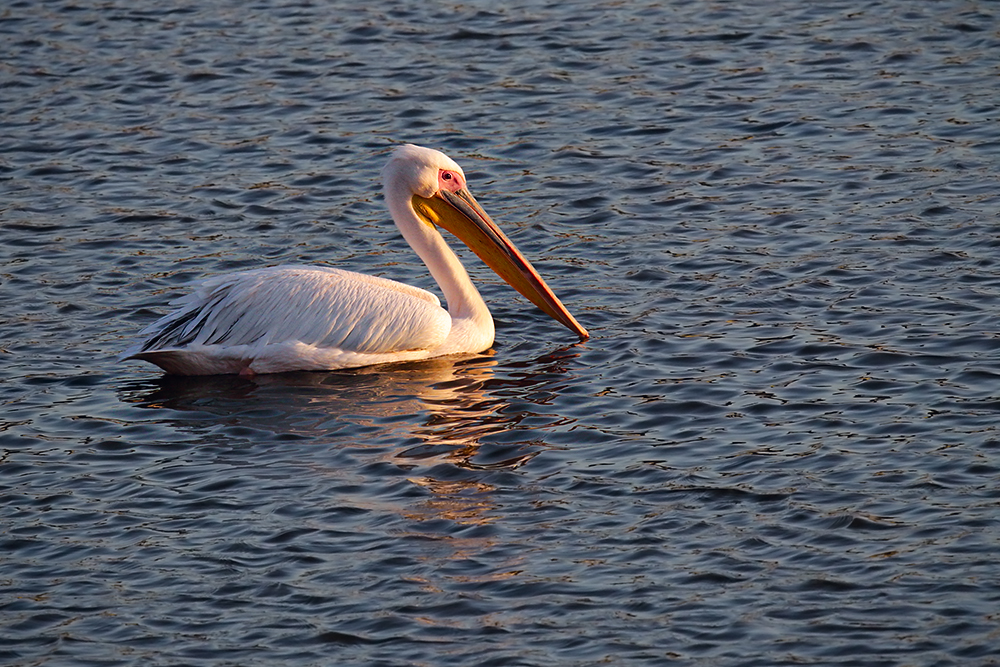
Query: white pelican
290, 318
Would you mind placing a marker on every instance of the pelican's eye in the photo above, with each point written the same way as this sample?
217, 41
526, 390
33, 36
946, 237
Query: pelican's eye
451, 181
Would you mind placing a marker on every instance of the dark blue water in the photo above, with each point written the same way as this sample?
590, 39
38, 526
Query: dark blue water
779, 223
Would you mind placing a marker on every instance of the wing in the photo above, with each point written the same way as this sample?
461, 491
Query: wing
319, 307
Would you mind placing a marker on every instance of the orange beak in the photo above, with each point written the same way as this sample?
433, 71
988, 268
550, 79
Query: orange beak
461, 214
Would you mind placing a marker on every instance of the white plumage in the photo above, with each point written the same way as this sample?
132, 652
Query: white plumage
288, 318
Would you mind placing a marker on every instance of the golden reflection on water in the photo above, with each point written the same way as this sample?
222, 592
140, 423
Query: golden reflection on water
465, 502
417, 415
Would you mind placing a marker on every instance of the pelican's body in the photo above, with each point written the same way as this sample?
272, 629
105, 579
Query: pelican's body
289, 318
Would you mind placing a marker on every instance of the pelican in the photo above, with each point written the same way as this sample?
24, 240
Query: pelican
293, 318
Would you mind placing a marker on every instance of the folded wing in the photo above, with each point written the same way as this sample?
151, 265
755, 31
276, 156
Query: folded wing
329, 310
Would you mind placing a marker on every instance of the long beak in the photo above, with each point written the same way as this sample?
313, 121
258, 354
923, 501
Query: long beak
461, 214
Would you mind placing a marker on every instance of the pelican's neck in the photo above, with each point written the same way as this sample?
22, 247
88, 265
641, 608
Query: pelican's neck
461, 295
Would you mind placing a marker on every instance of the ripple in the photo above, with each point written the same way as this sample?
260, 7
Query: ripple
778, 447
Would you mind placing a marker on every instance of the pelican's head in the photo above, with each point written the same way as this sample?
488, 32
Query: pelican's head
416, 169
435, 188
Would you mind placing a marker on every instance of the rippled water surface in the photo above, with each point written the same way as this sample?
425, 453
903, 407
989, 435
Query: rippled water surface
778, 220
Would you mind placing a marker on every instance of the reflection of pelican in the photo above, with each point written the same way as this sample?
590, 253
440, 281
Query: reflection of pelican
445, 425
433, 411
318, 318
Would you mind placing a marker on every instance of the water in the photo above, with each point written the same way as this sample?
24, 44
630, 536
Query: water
779, 447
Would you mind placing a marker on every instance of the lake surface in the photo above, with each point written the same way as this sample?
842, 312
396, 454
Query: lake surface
778, 221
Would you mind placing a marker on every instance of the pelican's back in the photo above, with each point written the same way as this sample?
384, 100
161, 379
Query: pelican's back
293, 318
